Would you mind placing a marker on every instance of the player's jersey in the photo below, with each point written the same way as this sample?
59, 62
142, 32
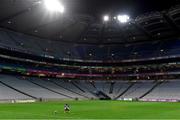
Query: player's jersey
66, 107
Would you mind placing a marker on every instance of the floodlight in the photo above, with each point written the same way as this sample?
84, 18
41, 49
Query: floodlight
54, 5
106, 18
123, 18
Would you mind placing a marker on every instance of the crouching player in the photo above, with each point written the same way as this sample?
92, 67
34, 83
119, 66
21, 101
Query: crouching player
66, 108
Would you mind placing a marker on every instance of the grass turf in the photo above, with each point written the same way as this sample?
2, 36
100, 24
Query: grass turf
91, 110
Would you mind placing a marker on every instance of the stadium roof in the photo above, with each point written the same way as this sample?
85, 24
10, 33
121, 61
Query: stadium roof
82, 23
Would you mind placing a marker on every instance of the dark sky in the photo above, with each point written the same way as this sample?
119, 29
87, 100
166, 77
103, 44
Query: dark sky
131, 7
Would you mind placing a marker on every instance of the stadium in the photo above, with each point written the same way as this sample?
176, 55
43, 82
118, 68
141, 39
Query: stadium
89, 59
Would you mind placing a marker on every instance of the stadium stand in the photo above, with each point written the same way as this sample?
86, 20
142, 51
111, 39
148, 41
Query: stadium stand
7, 93
30, 89
51, 48
167, 90
33, 88
144, 64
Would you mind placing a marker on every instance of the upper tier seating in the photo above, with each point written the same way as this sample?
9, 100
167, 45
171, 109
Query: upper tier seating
64, 50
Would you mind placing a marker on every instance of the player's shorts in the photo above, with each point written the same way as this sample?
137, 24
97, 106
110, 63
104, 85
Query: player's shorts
66, 109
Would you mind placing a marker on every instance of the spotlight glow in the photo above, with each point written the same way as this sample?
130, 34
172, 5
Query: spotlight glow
54, 5
106, 18
123, 18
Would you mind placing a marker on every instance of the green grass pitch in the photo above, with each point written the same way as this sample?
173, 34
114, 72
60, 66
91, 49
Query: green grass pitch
91, 110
